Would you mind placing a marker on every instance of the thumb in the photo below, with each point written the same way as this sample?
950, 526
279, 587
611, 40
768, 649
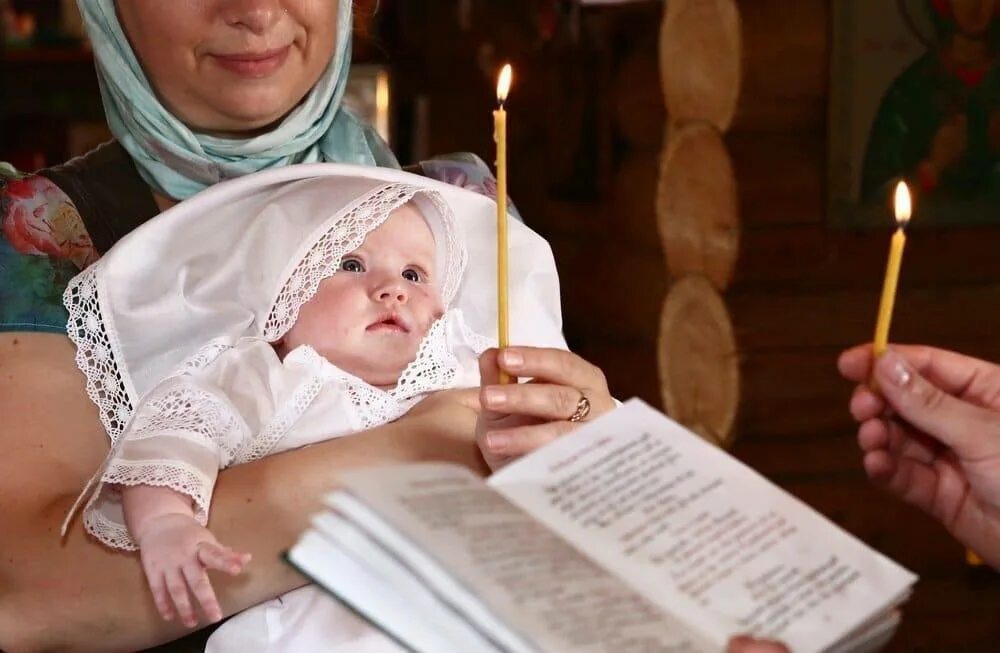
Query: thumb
489, 367
489, 374
956, 423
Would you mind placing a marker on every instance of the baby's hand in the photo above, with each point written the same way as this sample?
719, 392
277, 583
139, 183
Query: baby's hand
176, 550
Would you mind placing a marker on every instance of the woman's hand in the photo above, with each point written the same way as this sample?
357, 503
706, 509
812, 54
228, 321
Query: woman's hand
463, 397
517, 418
938, 447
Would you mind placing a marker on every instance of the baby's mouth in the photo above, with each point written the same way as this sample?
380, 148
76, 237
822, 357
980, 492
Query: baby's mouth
390, 322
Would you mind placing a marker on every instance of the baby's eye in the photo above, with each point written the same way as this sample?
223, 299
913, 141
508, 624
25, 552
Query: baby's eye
352, 265
413, 275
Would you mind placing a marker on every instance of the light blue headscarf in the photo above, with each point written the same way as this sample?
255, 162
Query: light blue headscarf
179, 162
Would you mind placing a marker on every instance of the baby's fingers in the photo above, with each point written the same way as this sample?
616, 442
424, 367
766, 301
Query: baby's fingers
178, 588
200, 586
222, 558
161, 597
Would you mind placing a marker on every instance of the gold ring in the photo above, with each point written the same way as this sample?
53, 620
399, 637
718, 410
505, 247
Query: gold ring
582, 409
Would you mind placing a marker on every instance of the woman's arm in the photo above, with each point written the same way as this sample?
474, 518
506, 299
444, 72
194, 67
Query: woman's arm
79, 595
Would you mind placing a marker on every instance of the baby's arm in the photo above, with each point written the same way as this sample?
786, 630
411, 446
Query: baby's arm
176, 551
156, 490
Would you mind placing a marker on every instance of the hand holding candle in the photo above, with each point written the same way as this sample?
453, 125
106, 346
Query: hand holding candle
903, 211
500, 136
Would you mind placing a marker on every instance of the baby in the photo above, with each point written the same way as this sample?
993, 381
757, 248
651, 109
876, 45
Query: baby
355, 336
367, 320
271, 312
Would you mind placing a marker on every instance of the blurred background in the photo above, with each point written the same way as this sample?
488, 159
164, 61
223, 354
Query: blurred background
681, 158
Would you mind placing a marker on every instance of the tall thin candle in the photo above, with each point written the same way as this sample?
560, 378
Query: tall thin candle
500, 136
903, 211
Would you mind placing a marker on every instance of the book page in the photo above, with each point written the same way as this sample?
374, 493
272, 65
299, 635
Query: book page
342, 559
493, 561
695, 530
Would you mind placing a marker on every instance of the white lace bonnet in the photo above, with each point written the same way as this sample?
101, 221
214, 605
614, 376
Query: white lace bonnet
160, 295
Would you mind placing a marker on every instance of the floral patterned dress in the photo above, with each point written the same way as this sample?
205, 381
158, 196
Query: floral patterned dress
44, 242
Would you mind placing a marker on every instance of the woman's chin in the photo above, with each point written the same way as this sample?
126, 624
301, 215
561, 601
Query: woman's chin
254, 110
243, 121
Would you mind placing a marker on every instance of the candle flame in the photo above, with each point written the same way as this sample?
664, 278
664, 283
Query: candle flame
902, 203
503, 85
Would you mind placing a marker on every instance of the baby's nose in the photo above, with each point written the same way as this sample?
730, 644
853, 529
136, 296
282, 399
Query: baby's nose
393, 291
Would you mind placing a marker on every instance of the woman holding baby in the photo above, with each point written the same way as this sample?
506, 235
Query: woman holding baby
196, 92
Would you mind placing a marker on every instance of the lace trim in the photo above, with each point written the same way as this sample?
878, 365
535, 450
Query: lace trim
192, 412
97, 352
203, 357
175, 475
435, 367
375, 407
455, 250
284, 419
110, 533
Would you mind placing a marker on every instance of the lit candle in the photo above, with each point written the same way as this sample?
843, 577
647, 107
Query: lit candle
500, 136
902, 208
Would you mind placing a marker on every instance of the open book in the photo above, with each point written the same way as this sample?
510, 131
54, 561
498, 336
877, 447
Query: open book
630, 534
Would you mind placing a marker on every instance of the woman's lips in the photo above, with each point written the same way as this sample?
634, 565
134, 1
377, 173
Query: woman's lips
253, 64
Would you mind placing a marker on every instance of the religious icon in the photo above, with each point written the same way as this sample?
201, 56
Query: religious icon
916, 96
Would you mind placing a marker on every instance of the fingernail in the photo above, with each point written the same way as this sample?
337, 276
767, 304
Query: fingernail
495, 397
497, 442
512, 359
896, 369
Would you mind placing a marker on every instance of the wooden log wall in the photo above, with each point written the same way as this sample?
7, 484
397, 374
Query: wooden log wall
696, 213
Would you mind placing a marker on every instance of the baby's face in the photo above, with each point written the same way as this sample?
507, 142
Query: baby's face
370, 317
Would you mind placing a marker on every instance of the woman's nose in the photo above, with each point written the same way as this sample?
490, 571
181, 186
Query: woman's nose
257, 16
